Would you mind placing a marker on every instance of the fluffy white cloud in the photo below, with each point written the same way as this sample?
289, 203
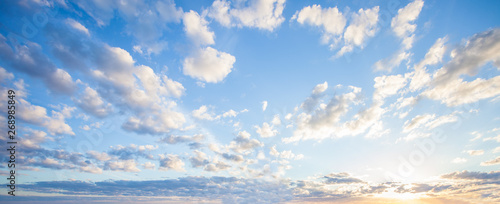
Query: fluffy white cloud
362, 26
34, 139
243, 143
447, 84
402, 24
197, 28
158, 123
331, 21
203, 114
171, 162
37, 115
389, 63
266, 130
209, 65
261, 14
388, 85
92, 103
122, 165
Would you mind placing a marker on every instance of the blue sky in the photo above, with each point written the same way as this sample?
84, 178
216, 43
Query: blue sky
253, 101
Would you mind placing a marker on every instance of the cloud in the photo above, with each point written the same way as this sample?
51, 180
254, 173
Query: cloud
420, 78
341, 178
196, 28
473, 175
146, 22
100, 156
417, 121
402, 24
34, 139
363, 25
200, 159
161, 122
286, 154
243, 143
261, 14
266, 130
331, 21
171, 162
264, 105
92, 103
173, 139
78, 26
467, 60
122, 165
475, 152
495, 161
209, 65
30, 59
37, 115
202, 114
386, 86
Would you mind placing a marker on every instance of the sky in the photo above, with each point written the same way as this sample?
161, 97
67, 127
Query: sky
252, 101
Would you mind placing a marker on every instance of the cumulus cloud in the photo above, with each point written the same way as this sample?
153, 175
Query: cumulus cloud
261, 14
209, 65
341, 178
203, 114
468, 59
363, 25
122, 165
331, 21
92, 103
266, 130
171, 162
243, 142
402, 24
196, 28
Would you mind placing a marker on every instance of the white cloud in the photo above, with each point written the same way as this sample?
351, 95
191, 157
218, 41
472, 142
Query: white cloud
320, 88
331, 21
78, 26
448, 85
475, 152
495, 161
417, 121
160, 122
34, 139
402, 24
261, 14
362, 26
171, 162
243, 142
209, 65
197, 28
264, 105
92, 103
122, 165
459, 160
202, 114
287, 154
5, 75
266, 130
389, 63
148, 165
100, 156
37, 115
276, 120
388, 85
230, 113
